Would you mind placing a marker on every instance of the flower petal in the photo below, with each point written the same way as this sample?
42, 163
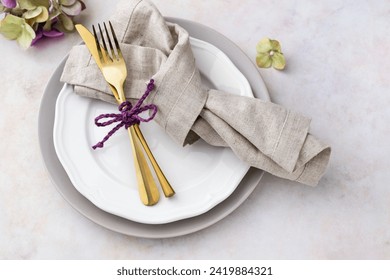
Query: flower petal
67, 2
26, 37
65, 22
73, 10
32, 4
43, 16
32, 13
263, 60
275, 46
9, 3
26, 4
11, 27
264, 45
38, 36
83, 6
47, 25
278, 61
53, 33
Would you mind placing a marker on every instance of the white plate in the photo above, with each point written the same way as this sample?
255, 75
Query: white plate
201, 175
65, 187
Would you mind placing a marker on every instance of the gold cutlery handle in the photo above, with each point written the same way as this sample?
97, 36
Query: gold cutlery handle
148, 191
115, 73
165, 185
147, 187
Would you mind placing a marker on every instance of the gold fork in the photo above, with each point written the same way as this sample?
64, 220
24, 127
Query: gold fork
114, 71
165, 185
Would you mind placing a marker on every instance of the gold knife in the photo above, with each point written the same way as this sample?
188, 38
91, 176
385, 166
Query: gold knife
90, 42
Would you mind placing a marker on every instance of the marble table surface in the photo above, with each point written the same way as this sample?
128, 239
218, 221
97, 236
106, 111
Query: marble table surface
338, 57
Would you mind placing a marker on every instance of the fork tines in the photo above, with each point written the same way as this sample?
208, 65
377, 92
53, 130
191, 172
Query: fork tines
111, 52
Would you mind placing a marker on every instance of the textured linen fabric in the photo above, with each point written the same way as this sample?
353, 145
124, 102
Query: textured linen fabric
263, 134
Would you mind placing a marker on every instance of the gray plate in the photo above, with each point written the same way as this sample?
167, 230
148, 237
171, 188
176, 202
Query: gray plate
121, 225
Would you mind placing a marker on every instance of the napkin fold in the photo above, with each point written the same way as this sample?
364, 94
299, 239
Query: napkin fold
263, 134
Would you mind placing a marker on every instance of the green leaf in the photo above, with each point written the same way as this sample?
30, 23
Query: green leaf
11, 27
278, 61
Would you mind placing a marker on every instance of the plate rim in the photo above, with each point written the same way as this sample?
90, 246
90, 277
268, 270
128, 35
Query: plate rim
122, 225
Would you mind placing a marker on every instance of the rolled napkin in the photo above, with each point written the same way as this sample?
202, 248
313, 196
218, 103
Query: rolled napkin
263, 134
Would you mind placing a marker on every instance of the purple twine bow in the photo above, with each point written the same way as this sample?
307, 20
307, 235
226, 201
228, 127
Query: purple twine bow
128, 116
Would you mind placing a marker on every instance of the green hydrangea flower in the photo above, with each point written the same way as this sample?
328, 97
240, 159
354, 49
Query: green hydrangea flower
16, 28
27, 21
36, 15
269, 53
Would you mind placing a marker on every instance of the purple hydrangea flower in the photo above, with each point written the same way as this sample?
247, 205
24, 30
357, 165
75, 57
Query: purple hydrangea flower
40, 33
9, 3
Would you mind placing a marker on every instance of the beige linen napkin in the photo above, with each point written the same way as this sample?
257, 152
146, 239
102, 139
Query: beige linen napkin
263, 134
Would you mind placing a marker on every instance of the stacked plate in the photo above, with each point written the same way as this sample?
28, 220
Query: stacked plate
209, 182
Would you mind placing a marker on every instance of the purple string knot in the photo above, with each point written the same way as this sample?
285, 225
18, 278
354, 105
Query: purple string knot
129, 115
